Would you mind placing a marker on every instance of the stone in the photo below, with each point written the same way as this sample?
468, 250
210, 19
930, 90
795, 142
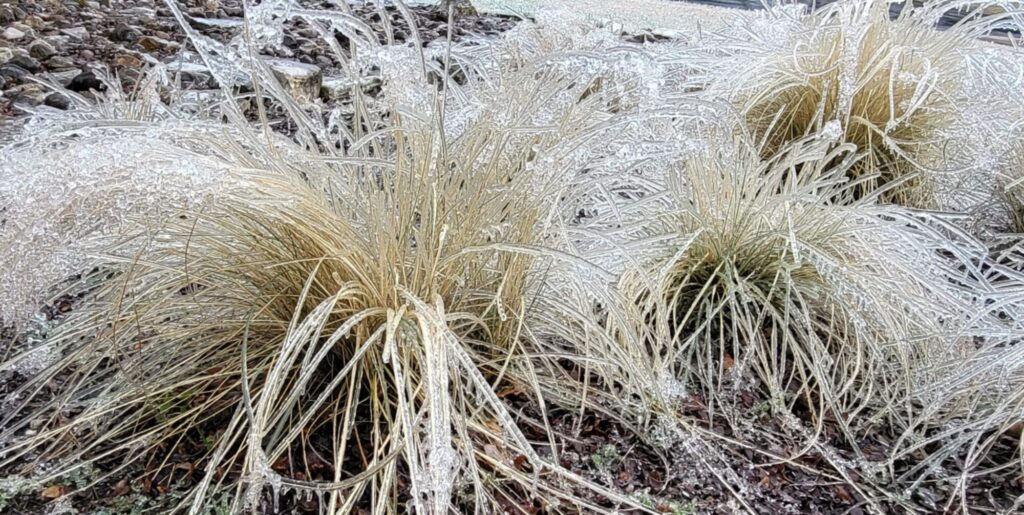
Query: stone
87, 54
152, 44
6, 54
27, 94
13, 72
26, 62
34, 21
76, 33
225, 23
127, 61
194, 73
12, 34
85, 81
59, 62
41, 49
9, 13
301, 79
340, 88
57, 100
124, 33
142, 13
25, 29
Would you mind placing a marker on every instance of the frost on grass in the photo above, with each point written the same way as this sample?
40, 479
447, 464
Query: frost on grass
97, 181
573, 219
759, 282
915, 101
278, 286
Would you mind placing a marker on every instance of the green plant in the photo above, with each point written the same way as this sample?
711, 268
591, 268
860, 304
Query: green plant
605, 457
13, 486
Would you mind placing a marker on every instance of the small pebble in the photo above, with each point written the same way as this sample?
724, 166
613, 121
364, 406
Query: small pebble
57, 100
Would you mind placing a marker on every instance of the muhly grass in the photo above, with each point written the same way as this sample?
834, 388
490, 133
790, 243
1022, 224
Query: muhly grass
588, 224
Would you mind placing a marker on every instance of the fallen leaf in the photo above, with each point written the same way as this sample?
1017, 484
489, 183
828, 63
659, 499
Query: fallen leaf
843, 494
121, 488
510, 390
520, 462
54, 491
493, 425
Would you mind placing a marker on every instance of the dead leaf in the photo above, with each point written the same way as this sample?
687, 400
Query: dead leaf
520, 462
625, 477
121, 488
843, 494
510, 390
493, 425
54, 491
1016, 430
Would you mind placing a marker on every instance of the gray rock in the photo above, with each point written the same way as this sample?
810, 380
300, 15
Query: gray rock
57, 100
59, 62
301, 79
197, 74
340, 88
26, 62
76, 33
27, 94
41, 49
222, 23
25, 29
6, 54
124, 33
12, 34
9, 13
143, 13
13, 72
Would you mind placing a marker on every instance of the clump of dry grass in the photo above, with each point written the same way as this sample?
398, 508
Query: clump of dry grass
821, 305
363, 305
767, 282
567, 222
907, 95
294, 303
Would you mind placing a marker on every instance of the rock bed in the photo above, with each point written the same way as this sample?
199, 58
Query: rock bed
68, 42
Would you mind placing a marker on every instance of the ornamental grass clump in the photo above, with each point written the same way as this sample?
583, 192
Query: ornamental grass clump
772, 286
912, 98
362, 306
331, 320
769, 292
